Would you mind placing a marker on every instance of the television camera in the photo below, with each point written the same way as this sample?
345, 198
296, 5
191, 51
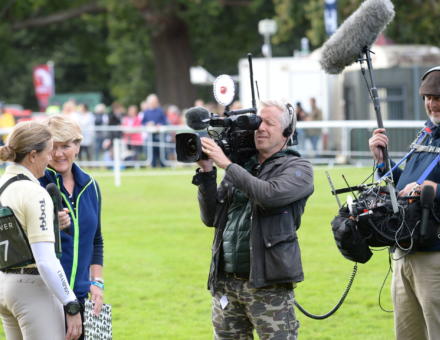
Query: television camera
233, 132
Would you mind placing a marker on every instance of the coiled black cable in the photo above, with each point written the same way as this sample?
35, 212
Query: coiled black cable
335, 308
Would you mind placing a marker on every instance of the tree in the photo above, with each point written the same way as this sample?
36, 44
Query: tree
128, 49
165, 32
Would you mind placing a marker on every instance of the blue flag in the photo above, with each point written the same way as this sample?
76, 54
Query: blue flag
330, 16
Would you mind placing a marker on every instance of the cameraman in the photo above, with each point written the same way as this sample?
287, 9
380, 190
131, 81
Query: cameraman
416, 276
256, 210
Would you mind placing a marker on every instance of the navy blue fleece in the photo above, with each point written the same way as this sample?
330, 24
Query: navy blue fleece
91, 245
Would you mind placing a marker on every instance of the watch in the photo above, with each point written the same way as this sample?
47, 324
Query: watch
72, 308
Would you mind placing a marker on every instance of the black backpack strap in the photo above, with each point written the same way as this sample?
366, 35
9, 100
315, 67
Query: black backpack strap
19, 177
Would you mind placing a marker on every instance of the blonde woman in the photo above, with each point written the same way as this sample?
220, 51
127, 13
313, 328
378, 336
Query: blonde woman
82, 242
32, 294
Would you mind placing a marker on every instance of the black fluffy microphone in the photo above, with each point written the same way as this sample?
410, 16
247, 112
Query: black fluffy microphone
426, 201
357, 32
197, 118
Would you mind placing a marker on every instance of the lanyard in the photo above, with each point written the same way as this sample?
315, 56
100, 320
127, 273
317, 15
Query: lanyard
428, 169
426, 132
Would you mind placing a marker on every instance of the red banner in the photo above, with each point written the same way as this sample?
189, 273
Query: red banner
44, 84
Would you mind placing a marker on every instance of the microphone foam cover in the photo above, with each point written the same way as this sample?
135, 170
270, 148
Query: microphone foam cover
358, 31
197, 118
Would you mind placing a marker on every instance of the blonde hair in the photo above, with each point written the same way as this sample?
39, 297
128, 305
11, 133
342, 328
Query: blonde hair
64, 129
25, 137
289, 114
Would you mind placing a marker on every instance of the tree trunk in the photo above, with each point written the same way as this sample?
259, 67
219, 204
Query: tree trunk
172, 57
171, 51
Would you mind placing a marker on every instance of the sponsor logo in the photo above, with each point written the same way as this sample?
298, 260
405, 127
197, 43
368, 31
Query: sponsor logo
63, 282
43, 215
6, 226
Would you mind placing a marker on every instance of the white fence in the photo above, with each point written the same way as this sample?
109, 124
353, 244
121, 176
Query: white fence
339, 142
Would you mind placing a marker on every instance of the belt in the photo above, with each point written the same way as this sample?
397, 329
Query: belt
237, 276
29, 271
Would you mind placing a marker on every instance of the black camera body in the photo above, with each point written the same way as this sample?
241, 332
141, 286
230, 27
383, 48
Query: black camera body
236, 136
236, 139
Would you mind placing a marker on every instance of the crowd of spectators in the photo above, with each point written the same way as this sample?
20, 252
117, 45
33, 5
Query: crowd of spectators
102, 124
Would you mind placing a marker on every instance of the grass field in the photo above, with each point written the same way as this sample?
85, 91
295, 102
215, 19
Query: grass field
157, 255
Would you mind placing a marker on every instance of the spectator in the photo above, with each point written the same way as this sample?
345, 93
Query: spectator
301, 116
174, 117
53, 109
133, 140
114, 120
154, 116
199, 102
69, 107
86, 122
101, 120
7, 121
314, 134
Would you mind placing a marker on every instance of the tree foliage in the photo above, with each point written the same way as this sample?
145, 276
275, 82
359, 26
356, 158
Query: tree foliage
127, 49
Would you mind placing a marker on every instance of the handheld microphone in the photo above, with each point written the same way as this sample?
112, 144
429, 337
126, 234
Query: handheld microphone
55, 195
357, 32
197, 118
426, 201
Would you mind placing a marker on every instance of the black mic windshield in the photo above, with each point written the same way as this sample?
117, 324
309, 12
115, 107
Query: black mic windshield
55, 194
426, 201
197, 118
427, 197
357, 32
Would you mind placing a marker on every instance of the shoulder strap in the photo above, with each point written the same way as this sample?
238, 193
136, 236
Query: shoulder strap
19, 177
425, 148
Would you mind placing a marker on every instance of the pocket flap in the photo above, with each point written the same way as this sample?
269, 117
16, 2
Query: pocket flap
272, 240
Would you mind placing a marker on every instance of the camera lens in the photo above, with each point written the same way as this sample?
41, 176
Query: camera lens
188, 147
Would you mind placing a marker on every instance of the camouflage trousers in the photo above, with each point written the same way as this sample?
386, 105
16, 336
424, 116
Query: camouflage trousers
238, 309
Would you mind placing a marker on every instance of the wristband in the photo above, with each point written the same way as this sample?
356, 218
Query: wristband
97, 284
380, 165
98, 279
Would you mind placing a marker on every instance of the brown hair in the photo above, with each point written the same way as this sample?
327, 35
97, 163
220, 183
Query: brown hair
24, 138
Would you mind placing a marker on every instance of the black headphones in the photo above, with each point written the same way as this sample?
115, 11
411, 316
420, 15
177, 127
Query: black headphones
289, 129
293, 138
436, 68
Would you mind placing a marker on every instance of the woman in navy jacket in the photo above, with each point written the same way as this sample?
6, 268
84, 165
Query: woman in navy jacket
82, 242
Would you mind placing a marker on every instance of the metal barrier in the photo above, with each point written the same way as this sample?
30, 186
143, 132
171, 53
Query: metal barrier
339, 142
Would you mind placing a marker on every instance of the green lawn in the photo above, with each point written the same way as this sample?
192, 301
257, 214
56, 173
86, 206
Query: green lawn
157, 255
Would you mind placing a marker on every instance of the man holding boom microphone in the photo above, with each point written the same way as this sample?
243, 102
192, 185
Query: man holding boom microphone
256, 211
416, 275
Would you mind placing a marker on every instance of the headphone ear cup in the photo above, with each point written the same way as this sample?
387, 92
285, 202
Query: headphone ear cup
436, 68
288, 130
